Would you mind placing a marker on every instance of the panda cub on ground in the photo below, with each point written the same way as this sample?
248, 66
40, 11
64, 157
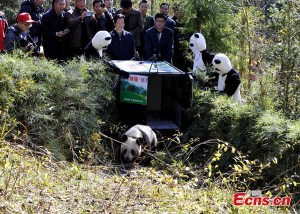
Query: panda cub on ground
135, 140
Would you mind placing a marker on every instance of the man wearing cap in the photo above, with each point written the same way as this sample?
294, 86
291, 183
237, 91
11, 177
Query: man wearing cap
17, 36
36, 11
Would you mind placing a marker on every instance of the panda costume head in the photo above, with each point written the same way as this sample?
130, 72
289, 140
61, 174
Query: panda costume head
101, 40
229, 80
133, 141
197, 43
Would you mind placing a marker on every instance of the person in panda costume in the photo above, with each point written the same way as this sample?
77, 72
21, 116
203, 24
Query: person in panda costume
135, 140
229, 80
202, 56
99, 43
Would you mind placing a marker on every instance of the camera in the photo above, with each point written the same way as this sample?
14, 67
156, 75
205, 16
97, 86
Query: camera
102, 5
89, 13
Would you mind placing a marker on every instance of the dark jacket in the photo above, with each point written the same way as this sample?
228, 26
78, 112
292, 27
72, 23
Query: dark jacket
104, 22
133, 24
121, 48
170, 23
163, 47
81, 33
53, 45
36, 14
112, 11
15, 38
148, 23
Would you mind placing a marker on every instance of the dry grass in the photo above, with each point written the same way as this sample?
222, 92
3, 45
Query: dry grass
31, 183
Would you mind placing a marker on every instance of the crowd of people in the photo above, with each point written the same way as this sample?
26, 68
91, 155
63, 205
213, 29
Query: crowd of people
65, 30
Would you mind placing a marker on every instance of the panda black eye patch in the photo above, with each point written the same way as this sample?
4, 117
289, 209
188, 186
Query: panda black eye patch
217, 61
133, 152
125, 150
192, 45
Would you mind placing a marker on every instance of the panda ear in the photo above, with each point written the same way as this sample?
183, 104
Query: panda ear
124, 138
140, 141
217, 61
196, 35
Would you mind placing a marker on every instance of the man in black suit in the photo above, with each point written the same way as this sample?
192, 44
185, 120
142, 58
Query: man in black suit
54, 28
159, 40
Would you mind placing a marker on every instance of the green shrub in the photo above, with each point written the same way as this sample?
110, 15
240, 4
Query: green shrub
61, 106
267, 142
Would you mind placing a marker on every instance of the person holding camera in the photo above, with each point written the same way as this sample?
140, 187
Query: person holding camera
102, 19
78, 21
17, 36
54, 31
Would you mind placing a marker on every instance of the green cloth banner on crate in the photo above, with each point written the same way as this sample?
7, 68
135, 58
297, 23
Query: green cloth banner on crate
134, 89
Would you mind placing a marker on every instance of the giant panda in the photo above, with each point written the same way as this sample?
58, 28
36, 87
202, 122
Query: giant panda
135, 140
229, 80
202, 56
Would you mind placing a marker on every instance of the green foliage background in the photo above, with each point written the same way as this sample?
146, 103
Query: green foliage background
252, 146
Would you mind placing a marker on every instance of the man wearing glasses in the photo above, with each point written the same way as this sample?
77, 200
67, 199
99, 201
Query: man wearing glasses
17, 36
159, 40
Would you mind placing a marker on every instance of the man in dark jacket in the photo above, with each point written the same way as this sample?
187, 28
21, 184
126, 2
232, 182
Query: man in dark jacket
36, 11
102, 18
17, 36
133, 21
78, 21
159, 40
54, 30
164, 9
122, 42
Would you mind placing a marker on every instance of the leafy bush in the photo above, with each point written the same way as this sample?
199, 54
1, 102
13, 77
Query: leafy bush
267, 142
61, 106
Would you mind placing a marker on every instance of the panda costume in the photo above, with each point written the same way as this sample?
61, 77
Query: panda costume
202, 56
229, 79
99, 43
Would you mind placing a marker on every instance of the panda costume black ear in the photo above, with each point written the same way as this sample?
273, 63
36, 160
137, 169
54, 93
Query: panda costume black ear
123, 138
196, 35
